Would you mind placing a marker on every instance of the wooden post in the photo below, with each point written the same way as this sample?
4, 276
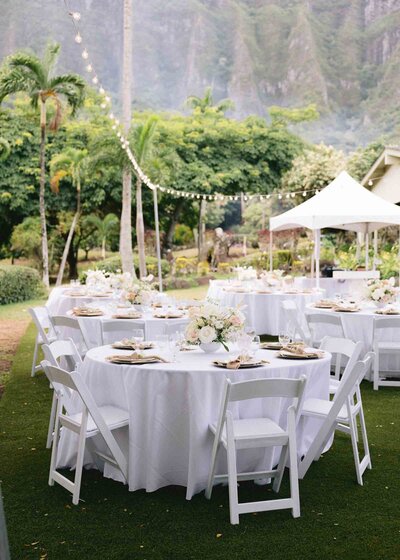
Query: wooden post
375, 249
158, 244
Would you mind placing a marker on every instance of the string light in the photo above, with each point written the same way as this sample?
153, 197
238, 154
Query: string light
76, 17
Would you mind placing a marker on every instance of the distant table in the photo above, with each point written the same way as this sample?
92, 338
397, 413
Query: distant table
170, 407
262, 310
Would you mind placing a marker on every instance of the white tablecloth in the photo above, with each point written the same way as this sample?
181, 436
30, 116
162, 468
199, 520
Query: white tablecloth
152, 326
332, 286
171, 406
262, 311
358, 326
60, 302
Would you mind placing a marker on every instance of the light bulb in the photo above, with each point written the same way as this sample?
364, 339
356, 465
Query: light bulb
280, 197
95, 80
78, 38
85, 54
89, 68
101, 91
108, 99
76, 16
304, 193
288, 195
103, 105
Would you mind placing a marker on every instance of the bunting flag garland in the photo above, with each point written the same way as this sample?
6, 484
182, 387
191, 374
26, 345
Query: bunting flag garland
106, 104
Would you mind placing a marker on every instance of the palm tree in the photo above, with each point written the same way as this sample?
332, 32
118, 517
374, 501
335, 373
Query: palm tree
71, 163
203, 104
125, 238
108, 152
105, 227
25, 72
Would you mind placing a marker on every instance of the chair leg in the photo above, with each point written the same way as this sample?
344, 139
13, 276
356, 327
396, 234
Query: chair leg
294, 475
211, 474
79, 460
353, 428
56, 437
35, 354
232, 476
376, 371
281, 469
364, 437
51, 421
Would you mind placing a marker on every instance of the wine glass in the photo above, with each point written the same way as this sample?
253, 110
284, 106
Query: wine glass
255, 345
162, 341
284, 338
138, 337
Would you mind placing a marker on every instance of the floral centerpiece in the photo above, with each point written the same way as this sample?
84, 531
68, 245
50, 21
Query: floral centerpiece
381, 291
212, 325
140, 292
246, 273
96, 278
119, 280
273, 278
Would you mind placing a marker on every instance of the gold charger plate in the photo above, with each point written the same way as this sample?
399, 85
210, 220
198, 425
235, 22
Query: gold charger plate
293, 356
127, 316
244, 365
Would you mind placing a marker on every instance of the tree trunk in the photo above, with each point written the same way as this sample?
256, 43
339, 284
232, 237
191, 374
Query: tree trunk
140, 230
103, 248
42, 207
73, 260
202, 249
70, 234
171, 228
125, 238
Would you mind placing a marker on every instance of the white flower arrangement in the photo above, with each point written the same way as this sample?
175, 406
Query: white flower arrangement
120, 280
381, 291
246, 273
273, 278
139, 292
96, 278
213, 323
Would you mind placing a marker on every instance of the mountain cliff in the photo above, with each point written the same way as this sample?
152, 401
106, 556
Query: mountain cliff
342, 55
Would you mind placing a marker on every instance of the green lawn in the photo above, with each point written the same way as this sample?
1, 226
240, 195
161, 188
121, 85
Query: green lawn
340, 520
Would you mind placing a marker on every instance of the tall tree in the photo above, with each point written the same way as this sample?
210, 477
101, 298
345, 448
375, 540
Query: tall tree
71, 163
25, 72
125, 242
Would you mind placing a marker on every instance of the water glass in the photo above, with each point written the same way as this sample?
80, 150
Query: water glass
138, 336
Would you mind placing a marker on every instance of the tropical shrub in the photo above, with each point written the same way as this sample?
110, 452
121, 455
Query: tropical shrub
114, 263
19, 283
185, 265
203, 268
223, 268
183, 235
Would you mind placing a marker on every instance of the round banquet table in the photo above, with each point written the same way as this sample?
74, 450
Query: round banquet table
171, 406
61, 301
262, 310
152, 326
358, 326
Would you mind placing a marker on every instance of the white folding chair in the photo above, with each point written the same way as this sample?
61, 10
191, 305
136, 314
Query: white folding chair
45, 333
320, 322
340, 348
341, 413
255, 433
60, 353
61, 322
114, 329
93, 420
387, 347
292, 314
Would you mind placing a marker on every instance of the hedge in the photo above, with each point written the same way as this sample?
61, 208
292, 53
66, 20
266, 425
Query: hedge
19, 283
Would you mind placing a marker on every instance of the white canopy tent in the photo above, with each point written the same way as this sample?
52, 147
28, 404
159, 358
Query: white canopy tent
343, 204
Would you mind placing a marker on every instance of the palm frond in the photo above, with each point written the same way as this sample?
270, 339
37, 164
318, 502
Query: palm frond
50, 58
72, 87
55, 180
31, 66
143, 137
13, 81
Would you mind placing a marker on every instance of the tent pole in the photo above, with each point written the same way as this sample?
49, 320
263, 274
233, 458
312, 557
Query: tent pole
158, 244
270, 252
375, 249
366, 251
317, 254
399, 255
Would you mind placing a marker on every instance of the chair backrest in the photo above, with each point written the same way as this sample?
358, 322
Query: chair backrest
117, 328
291, 314
63, 321
317, 320
62, 350
41, 318
260, 388
339, 347
73, 381
386, 323
347, 389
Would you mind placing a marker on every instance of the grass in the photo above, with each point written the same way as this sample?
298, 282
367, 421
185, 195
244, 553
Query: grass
340, 520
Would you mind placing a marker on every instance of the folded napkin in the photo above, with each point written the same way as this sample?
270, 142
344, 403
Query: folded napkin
86, 311
132, 345
243, 359
135, 358
388, 311
130, 315
300, 350
168, 315
349, 308
324, 303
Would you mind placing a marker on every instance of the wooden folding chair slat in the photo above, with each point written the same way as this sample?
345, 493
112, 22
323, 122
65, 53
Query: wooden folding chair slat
385, 348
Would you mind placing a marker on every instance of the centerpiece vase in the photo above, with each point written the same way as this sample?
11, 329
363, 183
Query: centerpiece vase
380, 304
210, 347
